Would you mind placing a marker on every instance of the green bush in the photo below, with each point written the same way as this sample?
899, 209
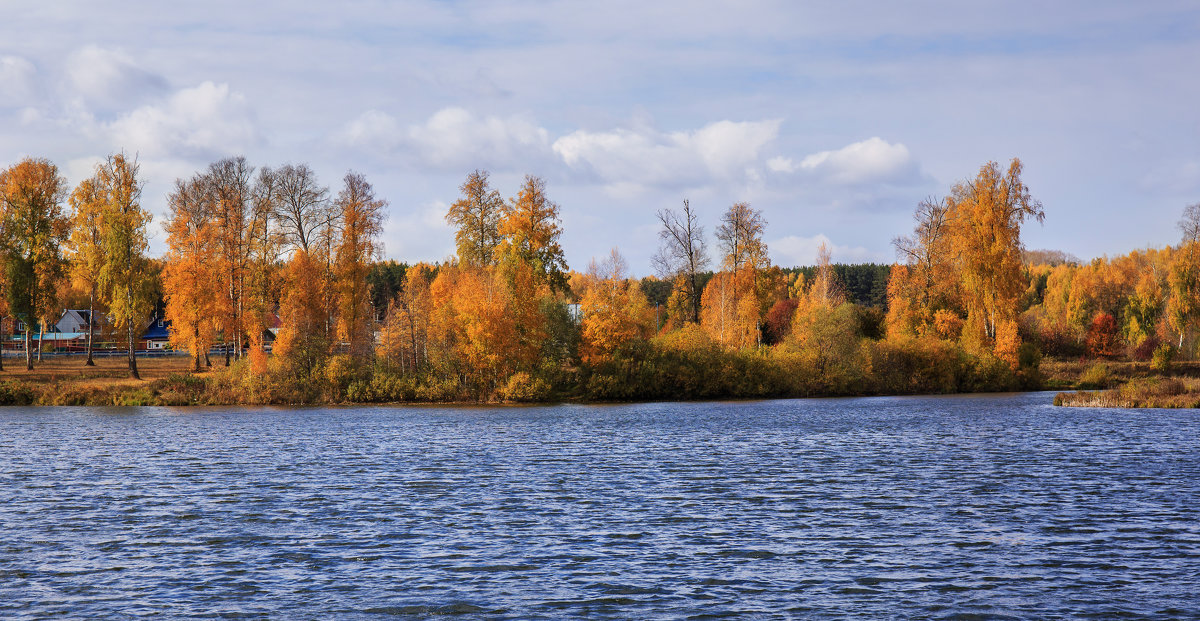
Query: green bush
524, 388
1161, 360
1096, 376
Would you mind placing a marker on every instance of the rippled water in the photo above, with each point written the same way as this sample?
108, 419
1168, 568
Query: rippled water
915, 507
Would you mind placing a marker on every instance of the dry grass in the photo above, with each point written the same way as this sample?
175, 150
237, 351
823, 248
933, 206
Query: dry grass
1138, 393
109, 370
65, 380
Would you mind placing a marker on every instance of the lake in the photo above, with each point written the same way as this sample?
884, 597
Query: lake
910, 507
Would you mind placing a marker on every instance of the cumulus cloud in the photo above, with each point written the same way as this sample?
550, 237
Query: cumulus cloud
109, 79
724, 150
204, 121
453, 139
796, 250
17, 77
873, 160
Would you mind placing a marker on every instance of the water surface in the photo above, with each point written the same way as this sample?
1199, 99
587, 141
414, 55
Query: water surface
915, 507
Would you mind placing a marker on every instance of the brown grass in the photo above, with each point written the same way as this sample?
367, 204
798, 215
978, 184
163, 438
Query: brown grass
109, 371
1171, 392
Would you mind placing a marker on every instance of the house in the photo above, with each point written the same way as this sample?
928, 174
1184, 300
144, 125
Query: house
157, 334
76, 321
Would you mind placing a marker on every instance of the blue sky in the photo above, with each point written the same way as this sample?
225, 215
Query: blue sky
834, 119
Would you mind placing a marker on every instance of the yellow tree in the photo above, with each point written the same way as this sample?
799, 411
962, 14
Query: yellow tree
85, 248
361, 217
192, 239
302, 342
615, 310
530, 230
926, 282
125, 279
229, 189
740, 236
477, 218
305, 223
262, 273
407, 326
32, 192
1184, 304
986, 215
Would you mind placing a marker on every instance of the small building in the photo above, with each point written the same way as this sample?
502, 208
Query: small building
157, 334
74, 320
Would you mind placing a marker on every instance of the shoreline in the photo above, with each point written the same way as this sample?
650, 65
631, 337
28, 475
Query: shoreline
169, 381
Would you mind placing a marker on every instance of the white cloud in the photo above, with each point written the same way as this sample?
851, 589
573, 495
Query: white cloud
372, 129
200, 122
110, 79
873, 160
453, 139
724, 150
795, 250
16, 81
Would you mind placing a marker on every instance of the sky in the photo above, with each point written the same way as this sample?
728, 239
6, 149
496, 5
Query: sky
833, 118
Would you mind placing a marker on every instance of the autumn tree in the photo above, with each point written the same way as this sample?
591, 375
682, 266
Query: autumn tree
193, 237
740, 236
262, 274
615, 310
682, 255
229, 187
744, 259
361, 218
32, 193
986, 216
85, 248
304, 221
125, 280
407, 326
530, 229
303, 338
477, 218
1183, 307
926, 282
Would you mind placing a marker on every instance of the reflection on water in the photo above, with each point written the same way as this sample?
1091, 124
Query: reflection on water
909, 507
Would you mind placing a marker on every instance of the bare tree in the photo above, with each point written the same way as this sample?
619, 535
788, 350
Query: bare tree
927, 248
740, 237
683, 253
229, 182
302, 207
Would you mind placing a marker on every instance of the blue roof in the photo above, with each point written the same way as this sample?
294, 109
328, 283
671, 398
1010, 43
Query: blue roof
155, 331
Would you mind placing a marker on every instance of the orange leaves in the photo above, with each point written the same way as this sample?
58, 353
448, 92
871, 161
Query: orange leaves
302, 338
615, 311
491, 326
530, 231
361, 215
190, 272
728, 319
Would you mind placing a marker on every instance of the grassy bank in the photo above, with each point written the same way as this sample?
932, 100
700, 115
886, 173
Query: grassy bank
64, 380
1144, 392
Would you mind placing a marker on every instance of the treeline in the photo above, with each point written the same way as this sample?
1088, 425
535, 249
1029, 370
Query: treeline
506, 318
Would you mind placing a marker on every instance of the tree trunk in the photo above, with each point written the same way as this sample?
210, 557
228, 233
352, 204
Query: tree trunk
195, 339
41, 338
3, 342
28, 348
133, 372
91, 323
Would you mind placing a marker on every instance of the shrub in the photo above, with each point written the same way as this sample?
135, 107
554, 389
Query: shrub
524, 388
1096, 376
1102, 336
1164, 354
